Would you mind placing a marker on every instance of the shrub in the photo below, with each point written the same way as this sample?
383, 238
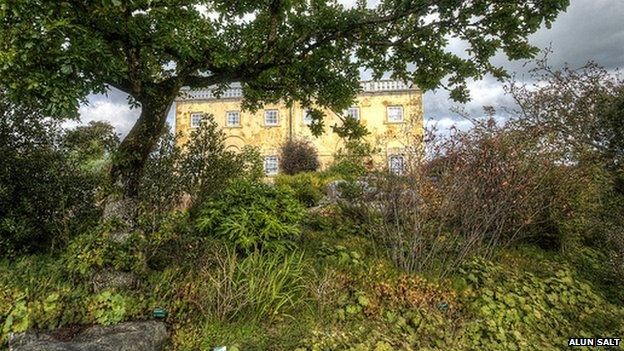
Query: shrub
46, 194
253, 216
298, 156
180, 177
351, 161
94, 252
479, 192
307, 187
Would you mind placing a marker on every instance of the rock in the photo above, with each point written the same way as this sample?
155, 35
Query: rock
107, 278
334, 191
362, 186
132, 336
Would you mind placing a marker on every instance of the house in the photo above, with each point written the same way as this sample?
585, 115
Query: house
390, 110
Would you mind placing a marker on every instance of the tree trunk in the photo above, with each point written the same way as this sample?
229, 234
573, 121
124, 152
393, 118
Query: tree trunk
131, 156
130, 159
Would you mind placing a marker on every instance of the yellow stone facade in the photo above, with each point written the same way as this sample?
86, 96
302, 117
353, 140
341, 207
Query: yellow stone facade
391, 111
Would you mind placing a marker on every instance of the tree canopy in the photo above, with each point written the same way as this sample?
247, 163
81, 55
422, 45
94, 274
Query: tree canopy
54, 53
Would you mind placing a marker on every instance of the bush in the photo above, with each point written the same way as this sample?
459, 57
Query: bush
352, 161
307, 187
95, 252
479, 192
46, 194
184, 177
253, 216
298, 156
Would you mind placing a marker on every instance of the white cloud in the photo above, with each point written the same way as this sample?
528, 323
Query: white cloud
587, 30
117, 113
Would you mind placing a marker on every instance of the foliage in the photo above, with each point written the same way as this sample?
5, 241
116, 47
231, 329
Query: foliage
479, 191
353, 160
207, 166
577, 110
536, 310
253, 216
95, 251
92, 141
574, 111
108, 308
180, 177
295, 51
298, 156
308, 188
162, 184
45, 194
256, 287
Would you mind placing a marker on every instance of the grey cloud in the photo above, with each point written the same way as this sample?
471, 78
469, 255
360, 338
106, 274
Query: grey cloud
589, 29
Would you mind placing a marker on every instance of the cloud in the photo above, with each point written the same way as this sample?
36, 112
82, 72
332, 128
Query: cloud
114, 109
588, 30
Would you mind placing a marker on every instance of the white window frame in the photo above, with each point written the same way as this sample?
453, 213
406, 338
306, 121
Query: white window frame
390, 114
233, 113
392, 163
266, 115
273, 169
199, 116
307, 117
353, 112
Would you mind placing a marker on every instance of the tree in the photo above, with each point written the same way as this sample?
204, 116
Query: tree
45, 195
578, 110
95, 140
54, 53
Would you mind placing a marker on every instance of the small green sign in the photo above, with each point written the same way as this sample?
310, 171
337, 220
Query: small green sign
160, 313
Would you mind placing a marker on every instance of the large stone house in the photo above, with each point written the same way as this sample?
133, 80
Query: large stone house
391, 111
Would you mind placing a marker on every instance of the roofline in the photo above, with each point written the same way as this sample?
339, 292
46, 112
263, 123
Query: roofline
235, 92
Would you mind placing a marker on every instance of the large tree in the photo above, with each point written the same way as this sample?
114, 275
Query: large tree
54, 53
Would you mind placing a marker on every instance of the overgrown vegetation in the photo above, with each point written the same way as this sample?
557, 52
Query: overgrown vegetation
504, 237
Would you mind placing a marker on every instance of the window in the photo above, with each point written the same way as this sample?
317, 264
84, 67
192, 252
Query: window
353, 112
396, 163
232, 119
271, 118
307, 117
196, 118
270, 165
395, 114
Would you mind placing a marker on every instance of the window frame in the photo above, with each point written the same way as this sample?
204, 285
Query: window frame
193, 114
227, 119
390, 164
266, 114
353, 108
266, 168
391, 107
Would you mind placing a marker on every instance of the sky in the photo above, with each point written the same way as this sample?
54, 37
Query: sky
588, 30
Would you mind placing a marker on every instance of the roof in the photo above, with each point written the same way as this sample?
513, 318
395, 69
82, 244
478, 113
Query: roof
235, 91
